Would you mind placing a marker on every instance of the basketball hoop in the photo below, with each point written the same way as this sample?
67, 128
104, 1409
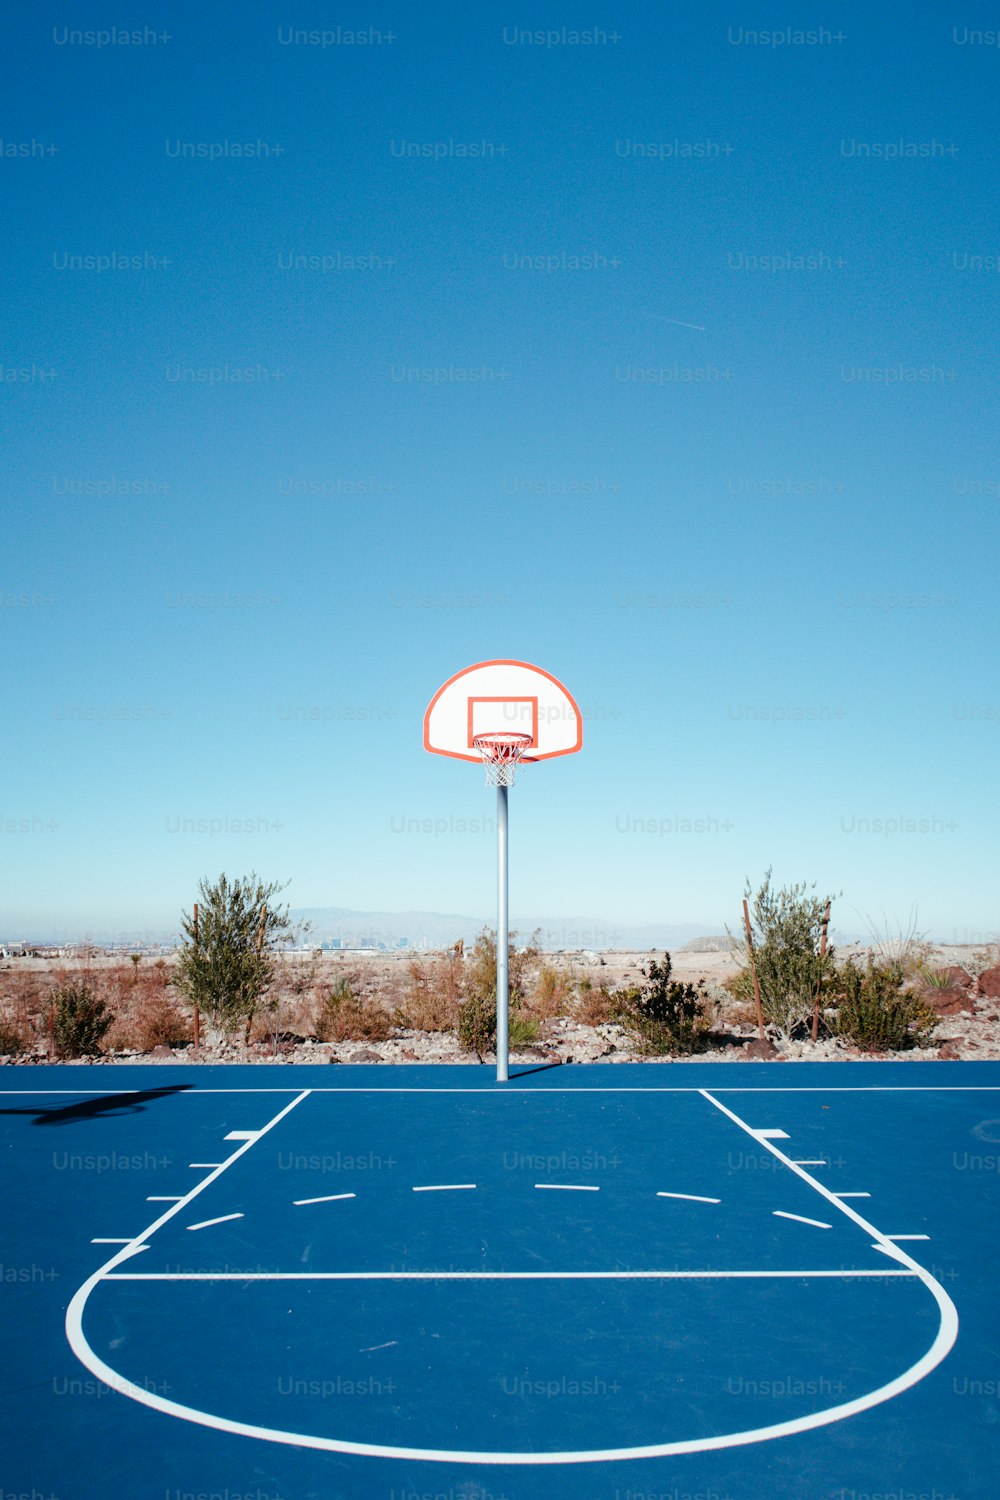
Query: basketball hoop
501, 754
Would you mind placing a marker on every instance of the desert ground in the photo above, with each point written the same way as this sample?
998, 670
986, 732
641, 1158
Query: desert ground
402, 1008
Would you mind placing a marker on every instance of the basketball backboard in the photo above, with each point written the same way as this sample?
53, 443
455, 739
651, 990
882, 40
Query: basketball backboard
501, 697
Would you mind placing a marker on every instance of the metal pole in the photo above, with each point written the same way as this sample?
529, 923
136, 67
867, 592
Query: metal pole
753, 966
502, 937
819, 983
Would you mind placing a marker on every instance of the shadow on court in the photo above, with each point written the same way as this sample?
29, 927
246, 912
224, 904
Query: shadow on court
97, 1109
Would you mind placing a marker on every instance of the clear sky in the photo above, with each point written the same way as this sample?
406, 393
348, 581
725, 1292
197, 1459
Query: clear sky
664, 356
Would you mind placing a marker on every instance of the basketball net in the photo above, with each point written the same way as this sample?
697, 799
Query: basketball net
501, 754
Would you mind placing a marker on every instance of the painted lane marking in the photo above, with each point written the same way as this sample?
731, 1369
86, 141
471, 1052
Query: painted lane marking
447, 1187
164, 1198
207, 1223
799, 1219
897, 1237
772, 1135
565, 1187
487, 1275
689, 1197
124, 1241
241, 1135
805, 1161
852, 1195
331, 1198
212, 1164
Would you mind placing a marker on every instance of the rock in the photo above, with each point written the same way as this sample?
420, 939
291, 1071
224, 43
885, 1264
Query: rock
760, 1049
949, 1002
410, 1055
949, 1052
333, 1059
958, 978
989, 983
162, 1050
364, 1055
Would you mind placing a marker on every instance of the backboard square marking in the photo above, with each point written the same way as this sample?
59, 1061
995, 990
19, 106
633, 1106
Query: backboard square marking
487, 723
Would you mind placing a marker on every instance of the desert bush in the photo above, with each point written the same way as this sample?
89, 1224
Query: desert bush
872, 1009
476, 1026
80, 1020
432, 994
787, 927
891, 941
664, 1015
346, 1017
552, 994
595, 1004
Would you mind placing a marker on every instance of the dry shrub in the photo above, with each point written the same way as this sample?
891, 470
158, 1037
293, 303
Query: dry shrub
552, 994
347, 1017
432, 995
740, 1013
596, 1005
154, 1021
145, 1014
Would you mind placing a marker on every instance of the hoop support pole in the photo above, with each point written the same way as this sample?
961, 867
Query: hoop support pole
503, 1045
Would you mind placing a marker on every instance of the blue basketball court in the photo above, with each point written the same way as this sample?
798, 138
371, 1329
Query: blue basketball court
657, 1280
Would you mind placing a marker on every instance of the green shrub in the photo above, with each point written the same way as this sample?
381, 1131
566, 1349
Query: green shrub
787, 927
663, 1015
80, 1019
874, 1012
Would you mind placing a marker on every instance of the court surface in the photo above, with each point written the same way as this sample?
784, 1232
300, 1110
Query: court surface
702, 1282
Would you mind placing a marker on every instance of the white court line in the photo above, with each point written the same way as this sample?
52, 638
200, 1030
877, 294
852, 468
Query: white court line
689, 1197
805, 1161
494, 1093
207, 1223
935, 1353
779, 1213
772, 1135
212, 1164
484, 1275
852, 1195
330, 1198
125, 1241
164, 1198
447, 1187
897, 1237
241, 1135
566, 1187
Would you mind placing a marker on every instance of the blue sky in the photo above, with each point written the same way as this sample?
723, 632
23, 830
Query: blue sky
760, 551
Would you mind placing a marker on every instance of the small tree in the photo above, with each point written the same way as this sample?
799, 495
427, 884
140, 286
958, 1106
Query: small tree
787, 928
227, 964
